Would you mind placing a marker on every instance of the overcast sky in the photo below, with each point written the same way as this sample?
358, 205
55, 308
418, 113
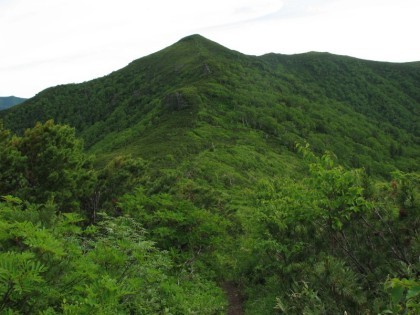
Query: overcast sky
49, 42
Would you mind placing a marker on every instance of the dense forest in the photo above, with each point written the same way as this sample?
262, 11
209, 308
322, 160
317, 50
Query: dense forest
157, 189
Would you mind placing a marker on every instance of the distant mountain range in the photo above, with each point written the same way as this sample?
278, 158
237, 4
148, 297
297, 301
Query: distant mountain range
9, 101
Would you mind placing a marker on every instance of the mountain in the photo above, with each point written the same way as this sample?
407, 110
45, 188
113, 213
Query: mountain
197, 143
9, 101
364, 111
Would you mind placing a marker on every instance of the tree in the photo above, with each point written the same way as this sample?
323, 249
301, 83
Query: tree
46, 163
324, 245
11, 162
50, 265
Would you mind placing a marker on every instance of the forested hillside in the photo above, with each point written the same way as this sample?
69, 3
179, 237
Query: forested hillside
292, 179
365, 112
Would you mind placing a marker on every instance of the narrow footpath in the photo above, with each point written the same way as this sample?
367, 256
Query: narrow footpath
234, 298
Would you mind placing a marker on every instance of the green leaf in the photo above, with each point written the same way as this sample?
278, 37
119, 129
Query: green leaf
397, 294
413, 292
12, 199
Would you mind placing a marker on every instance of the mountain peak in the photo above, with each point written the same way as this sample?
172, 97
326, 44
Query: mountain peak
197, 41
194, 37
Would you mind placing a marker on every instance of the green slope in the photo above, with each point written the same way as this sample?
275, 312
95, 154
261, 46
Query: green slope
9, 101
386, 92
197, 94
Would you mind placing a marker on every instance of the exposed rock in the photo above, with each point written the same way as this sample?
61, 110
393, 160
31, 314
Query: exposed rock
176, 101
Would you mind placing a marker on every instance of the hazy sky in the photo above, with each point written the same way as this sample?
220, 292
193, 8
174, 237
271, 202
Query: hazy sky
50, 42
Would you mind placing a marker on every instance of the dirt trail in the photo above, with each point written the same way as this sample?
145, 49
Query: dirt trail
234, 299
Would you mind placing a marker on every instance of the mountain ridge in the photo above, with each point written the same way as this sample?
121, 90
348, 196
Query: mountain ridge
315, 97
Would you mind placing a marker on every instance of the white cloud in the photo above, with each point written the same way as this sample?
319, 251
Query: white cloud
49, 42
